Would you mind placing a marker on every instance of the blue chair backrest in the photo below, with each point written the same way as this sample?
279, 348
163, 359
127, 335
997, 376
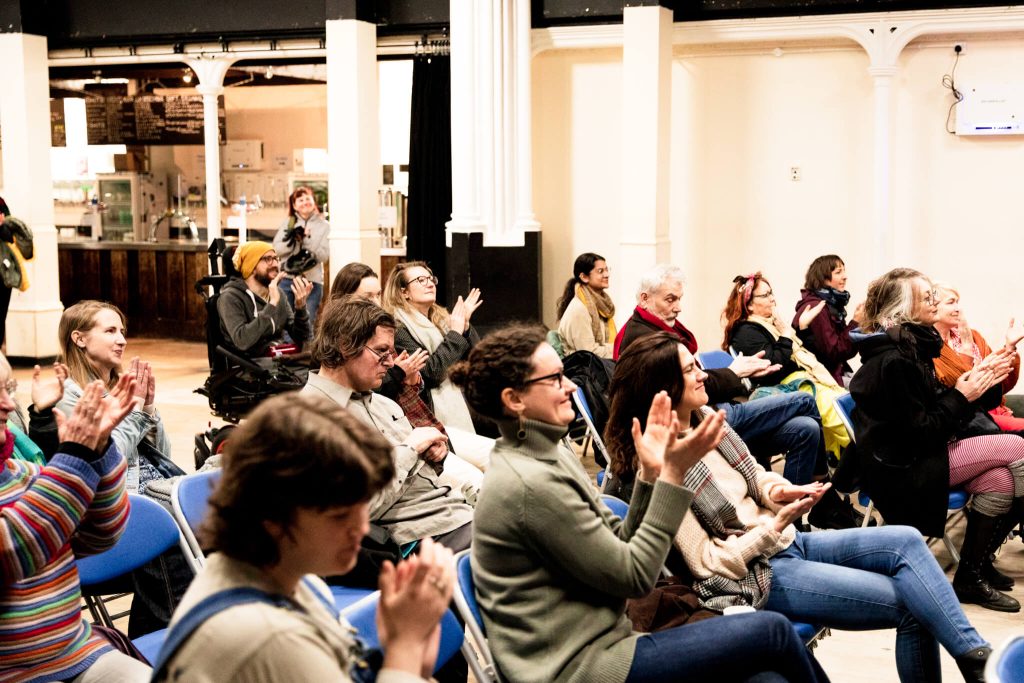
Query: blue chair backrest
149, 532
618, 507
844, 407
362, 615
581, 401
194, 493
714, 360
1007, 664
464, 575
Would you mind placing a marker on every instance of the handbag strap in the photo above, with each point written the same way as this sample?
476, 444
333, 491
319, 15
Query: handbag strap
183, 629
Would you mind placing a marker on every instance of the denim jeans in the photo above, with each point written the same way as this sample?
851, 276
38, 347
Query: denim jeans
864, 579
312, 301
787, 423
759, 646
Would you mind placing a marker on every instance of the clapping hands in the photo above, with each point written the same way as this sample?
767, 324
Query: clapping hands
463, 310
48, 391
96, 415
662, 453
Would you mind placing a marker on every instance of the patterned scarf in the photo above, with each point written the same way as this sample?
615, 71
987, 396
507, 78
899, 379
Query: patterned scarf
835, 300
602, 312
718, 517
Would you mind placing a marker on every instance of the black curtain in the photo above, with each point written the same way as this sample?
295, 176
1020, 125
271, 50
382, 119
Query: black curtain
430, 165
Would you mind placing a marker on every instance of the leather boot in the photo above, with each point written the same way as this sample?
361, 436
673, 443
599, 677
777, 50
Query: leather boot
997, 579
972, 664
968, 583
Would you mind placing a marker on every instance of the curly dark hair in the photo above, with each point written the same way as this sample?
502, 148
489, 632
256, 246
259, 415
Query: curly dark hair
292, 452
344, 327
647, 366
501, 360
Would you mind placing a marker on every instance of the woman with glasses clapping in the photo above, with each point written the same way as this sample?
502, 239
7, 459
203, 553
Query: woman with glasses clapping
411, 296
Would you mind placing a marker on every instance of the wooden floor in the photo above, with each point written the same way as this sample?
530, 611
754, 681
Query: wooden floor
848, 657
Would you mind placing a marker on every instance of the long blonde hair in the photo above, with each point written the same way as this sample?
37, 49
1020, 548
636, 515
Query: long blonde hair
392, 298
81, 317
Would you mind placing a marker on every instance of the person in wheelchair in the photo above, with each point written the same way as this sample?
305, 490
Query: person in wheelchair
254, 316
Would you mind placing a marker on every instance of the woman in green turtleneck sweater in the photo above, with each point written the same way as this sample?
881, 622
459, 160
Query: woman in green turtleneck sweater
554, 567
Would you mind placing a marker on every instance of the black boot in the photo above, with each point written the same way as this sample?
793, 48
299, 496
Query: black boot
968, 583
972, 664
997, 579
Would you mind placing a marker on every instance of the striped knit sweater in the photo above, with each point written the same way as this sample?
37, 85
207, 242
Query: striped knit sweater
48, 516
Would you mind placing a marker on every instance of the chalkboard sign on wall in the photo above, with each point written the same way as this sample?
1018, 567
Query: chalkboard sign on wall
149, 120
58, 132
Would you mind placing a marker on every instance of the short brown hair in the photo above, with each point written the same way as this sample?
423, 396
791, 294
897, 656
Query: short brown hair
502, 359
344, 327
292, 452
820, 271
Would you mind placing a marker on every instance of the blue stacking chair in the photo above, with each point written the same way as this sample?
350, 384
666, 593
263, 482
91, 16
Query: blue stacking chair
362, 615
189, 496
475, 648
150, 531
1006, 665
584, 409
957, 497
714, 360
808, 633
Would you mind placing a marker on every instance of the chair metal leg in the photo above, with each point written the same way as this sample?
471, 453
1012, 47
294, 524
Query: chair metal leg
867, 513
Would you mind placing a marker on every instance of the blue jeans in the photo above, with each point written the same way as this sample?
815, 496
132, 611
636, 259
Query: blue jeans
760, 646
787, 423
312, 301
864, 579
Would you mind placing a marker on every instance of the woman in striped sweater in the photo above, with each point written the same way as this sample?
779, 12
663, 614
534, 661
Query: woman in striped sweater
74, 506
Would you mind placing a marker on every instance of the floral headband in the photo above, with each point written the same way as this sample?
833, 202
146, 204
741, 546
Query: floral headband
746, 285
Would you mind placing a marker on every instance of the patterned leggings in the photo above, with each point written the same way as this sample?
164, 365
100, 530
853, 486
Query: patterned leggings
991, 467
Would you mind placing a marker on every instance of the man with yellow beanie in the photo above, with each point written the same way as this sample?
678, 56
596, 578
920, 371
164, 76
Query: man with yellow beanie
253, 314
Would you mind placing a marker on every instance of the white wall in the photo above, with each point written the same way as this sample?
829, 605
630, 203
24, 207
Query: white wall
740, 121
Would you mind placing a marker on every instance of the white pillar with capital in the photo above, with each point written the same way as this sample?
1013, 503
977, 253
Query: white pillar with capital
211, 72
353, 142
646, 142
492, 165
28, 189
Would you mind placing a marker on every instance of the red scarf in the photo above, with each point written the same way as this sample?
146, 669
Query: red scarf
678, 329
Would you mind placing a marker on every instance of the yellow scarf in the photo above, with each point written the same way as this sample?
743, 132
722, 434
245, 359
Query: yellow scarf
602, 312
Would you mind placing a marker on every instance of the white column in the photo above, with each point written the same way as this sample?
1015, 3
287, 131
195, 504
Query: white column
492, 172
211, 71
882, 228
646, 141
353, 142
28, 190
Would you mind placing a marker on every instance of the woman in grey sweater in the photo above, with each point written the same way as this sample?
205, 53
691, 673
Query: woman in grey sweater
554, 567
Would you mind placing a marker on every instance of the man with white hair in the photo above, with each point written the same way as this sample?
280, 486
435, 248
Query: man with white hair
787, 423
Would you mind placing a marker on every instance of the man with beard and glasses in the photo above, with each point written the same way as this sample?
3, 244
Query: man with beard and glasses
253, 314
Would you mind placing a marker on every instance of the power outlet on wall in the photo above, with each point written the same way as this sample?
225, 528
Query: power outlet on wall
794, 173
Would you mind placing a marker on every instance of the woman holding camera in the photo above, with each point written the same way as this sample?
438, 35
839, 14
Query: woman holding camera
306, 230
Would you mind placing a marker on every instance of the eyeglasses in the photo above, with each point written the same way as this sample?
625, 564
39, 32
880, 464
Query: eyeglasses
270, 258
765, 295
422, 280
382, 356
931, 297
10, 386
556, 376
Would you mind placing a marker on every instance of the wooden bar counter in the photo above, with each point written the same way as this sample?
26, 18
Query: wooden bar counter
152, 282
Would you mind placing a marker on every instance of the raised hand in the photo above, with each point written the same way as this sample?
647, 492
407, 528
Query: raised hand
458, 319
116, 405
1014, 333
661, 428
47, 392
140, 370
973, 383
274, 289
798, 509
745, 366
83, 425
810, 313
787, 493
301, 288
412, 364
413, 597
858, 313
473, 302
683, 453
